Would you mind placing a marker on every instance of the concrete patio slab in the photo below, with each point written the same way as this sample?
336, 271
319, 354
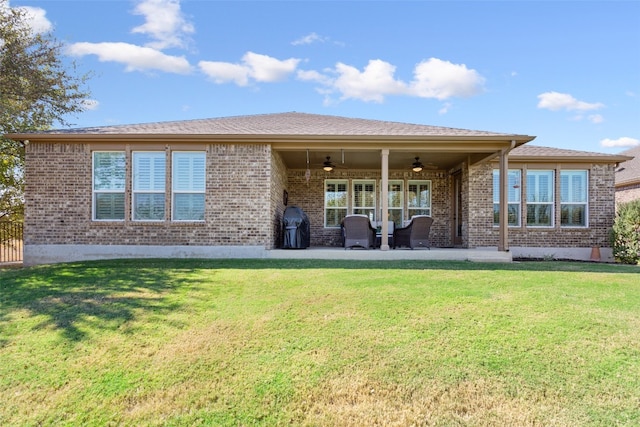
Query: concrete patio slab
439, 254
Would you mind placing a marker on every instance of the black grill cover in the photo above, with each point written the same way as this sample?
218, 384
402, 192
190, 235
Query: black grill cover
296, 228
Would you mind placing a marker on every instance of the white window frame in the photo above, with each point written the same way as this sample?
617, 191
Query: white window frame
118, 188
569, 199
194, 185
152, 190
364, 208
420, 208
328, 199
514, 198
535, 175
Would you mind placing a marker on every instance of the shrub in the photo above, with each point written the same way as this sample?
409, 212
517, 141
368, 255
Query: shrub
626, 233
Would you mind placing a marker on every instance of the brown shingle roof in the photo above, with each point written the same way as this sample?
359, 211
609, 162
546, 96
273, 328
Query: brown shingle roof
629, 172
536, 150
539, 153
292, 123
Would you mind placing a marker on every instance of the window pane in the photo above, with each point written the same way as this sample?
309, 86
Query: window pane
573, 197
540, 186
369, 195
189, 171
514, 186
513, 214
108, 170
109, 206
149, 171
573, 215
364, 198
573, 186
335, 202
335, 194
148, 206
579, 188
335, 217
539, 215
396, 202
395, 195
513, 197
419, 194
188, 207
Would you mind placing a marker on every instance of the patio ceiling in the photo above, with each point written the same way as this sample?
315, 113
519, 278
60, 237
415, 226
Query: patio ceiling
371, 159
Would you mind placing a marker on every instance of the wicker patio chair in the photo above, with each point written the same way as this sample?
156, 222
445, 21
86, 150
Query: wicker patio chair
414, 235
358, 232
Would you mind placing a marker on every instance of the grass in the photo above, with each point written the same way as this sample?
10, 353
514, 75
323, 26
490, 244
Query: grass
310, 343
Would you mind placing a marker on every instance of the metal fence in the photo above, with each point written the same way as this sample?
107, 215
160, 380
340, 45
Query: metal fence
10, 242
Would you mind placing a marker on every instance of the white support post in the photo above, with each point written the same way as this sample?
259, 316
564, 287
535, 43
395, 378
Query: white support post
503, 239
384, 237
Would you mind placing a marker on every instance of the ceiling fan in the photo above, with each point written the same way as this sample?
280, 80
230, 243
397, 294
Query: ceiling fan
417, 166
328, 165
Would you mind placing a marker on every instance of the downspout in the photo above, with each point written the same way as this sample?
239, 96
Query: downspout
503, 238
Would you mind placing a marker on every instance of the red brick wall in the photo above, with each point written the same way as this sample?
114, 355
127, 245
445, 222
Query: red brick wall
627, 193
279, 184
244, 202
238, 200
482, 232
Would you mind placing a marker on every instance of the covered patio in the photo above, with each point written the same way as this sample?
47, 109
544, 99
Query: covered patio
443, 157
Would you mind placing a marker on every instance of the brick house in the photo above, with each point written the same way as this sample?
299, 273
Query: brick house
628, 177
218, 187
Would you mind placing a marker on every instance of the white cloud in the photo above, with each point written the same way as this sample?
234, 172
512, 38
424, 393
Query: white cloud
445, 108
625, 141
440, 79
309, 39
595, 118
136, 58
261, 68
314, 76
164, 22
37, 19
434, 78
372, 84
267, 69
556, 101
225, 72
35, 16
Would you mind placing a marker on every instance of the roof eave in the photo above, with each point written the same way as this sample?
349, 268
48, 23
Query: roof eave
627, 182
252, 138
570, 159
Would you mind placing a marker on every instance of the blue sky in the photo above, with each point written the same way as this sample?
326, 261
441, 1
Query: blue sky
567, 72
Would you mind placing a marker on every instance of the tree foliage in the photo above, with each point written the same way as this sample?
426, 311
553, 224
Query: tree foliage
37, 89
626, 233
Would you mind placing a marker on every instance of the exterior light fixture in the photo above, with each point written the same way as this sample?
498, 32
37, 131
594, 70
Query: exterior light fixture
327, 165
417, 166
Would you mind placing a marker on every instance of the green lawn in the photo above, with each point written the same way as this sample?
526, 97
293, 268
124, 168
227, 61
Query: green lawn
317, 343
